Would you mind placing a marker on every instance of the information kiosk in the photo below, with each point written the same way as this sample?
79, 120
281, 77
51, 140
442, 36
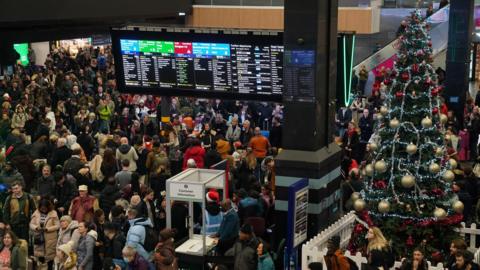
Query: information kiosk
191, 186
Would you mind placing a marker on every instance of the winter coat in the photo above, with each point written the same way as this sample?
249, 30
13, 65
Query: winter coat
65, 194
196, 153
125, 151
109, 195
223, 148
233, 133
38, 150
213, 218
136, 235
165, 262
230, 226
245, 253
113, 248
59, 156
45, 186
50, 234
18, 260
265, 262
69, 234
80, 206
69, 264
336, 261
138, 263
86, 244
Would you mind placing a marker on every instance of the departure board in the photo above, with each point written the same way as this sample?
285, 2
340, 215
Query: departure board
186, 64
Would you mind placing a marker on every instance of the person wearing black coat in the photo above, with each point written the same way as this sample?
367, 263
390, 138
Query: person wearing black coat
109, 195
275, 137
179, 215
86, 142
366, 126
60, 154
65, 191
45, 184
39, 149
114, 241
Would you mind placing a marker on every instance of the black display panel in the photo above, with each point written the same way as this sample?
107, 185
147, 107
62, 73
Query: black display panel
193, 64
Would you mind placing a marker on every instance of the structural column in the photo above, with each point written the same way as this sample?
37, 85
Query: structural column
458, 54
310, 65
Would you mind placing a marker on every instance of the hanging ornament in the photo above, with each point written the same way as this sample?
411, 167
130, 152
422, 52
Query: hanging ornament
434, 168
453, 163
381, 166
448, 176
369, 170
405, 76
435, 110
394, 123
458, 207
439, 213
359, 205
399, 94
411, 148
429, 44
355, 196
373, 146
408, 181
408, 208
426, 122
443, 118
434, 92
420, 52
438, 152
387, 81
383, 110
383, 206
378, 117
415, 68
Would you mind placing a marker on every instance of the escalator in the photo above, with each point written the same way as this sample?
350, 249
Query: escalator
386, 56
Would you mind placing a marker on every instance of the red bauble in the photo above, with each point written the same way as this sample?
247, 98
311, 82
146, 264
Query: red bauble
399, 94
435, 110
429, 44
405, 76
380, 184
415, 68
434, 92
387, 81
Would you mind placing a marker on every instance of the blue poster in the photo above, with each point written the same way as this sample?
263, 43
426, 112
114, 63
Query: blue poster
128, 45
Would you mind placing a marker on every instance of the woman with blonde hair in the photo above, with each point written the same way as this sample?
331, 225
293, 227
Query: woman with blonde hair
378, 250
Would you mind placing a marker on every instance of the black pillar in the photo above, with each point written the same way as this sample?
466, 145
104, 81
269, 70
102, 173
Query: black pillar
310, 68
458, 54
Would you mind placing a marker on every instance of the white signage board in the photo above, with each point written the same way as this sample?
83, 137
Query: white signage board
186, 191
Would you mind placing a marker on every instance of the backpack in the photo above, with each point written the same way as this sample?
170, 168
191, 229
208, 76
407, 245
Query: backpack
151, 237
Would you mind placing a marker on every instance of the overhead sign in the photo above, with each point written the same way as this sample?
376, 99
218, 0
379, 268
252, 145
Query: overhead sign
186, 191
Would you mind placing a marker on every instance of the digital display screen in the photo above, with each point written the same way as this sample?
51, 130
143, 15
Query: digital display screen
210, 65
22, 50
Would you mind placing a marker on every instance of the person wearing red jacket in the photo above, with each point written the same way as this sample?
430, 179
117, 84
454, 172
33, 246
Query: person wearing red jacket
195, 152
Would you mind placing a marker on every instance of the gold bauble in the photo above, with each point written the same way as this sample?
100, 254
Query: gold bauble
426, 122
359, 205
383, 110
438, 152
439, 213
394, 123
458, 207
453, 163
408, 181
443, 118
448, 176
381, 166
379, 117
373, 146
411, 149
369, 170
355, 196
383, 206
434, 168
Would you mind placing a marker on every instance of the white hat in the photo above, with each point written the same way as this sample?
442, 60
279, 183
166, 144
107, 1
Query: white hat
82, 188
191, 163
66, 248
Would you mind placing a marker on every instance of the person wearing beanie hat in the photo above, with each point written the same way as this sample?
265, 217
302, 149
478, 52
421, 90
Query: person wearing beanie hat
335, 259
66, 258
245, 250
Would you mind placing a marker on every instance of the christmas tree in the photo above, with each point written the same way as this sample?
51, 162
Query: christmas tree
408, 191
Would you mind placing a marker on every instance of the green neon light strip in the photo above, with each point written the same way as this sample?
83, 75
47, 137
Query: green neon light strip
344, 72
351, 70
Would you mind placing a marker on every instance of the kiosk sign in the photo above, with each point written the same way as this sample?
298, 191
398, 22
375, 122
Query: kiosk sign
186, 191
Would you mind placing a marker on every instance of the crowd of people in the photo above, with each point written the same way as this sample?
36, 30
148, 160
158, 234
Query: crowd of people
84, 169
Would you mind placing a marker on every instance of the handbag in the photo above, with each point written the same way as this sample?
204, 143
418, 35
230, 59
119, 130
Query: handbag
39, 239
